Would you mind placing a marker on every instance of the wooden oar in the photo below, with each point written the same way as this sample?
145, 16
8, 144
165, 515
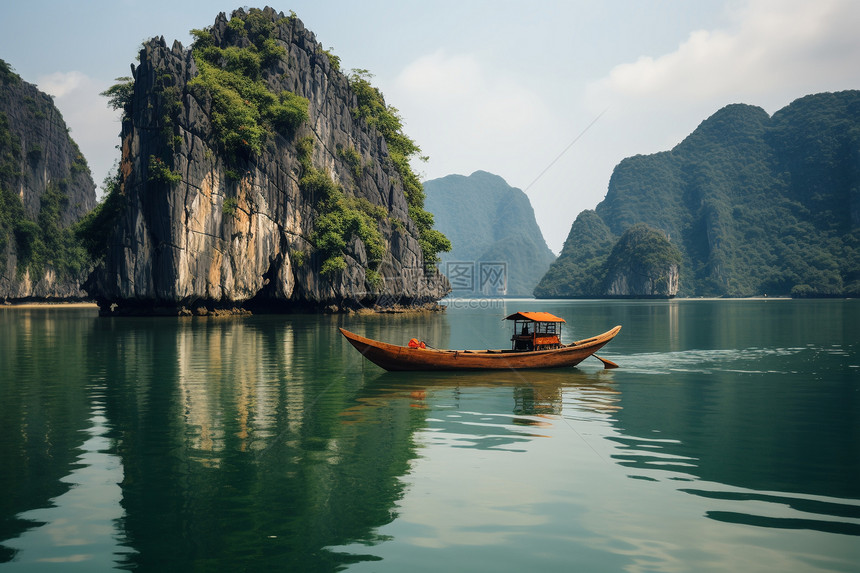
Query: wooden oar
607, 364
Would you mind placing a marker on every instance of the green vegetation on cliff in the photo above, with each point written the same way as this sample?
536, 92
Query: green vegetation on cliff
48, 243
642, 263
120, 95
12, 215
401, 148
40, 241
642, 245
94, 228
7, 74
755, 204
11, 209
339, 218
44, 241
244, 110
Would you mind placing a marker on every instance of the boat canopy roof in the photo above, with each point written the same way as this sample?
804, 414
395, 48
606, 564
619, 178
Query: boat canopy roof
535, 317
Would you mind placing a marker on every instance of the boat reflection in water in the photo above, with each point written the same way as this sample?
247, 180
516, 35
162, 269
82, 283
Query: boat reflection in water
492, 408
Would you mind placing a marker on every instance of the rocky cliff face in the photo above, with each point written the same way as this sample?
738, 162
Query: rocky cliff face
45, 187
204, 225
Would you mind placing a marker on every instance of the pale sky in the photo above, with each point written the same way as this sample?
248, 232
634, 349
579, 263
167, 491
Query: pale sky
550, 95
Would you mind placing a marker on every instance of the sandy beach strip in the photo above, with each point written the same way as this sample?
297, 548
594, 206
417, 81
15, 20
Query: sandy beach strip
31, 305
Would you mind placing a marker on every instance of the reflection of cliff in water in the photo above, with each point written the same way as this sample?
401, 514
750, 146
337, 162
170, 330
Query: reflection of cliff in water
44, 409
234, 448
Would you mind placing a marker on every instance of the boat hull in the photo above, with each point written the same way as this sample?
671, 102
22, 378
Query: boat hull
397, 358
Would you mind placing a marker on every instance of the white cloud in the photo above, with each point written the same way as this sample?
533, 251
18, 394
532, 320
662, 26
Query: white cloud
776, 47
441, 76
60, 84
456, 104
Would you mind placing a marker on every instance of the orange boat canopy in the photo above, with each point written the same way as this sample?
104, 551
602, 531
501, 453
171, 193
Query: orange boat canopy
535, 317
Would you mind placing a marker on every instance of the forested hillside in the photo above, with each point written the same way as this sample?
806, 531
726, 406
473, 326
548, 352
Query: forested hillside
492, 228
754, 204
45, 189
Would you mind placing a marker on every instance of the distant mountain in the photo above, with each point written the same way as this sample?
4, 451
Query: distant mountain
45, 188
754, 204
494, 235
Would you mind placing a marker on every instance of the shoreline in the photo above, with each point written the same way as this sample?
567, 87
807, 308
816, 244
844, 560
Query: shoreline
444, 303
206, 312
31, 305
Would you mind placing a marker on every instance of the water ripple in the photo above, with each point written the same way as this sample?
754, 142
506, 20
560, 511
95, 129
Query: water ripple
784, 511
745, 360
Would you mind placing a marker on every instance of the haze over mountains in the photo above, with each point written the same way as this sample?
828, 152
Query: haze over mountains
497, 246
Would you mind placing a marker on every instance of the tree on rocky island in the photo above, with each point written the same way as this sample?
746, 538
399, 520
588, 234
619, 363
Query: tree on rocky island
643, 263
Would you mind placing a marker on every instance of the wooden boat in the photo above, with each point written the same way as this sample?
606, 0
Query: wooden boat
547, 353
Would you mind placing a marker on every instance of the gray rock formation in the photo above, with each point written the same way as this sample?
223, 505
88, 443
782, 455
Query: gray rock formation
239, 231
45, 187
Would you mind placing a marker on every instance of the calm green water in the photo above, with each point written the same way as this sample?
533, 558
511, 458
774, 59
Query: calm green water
728, 441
